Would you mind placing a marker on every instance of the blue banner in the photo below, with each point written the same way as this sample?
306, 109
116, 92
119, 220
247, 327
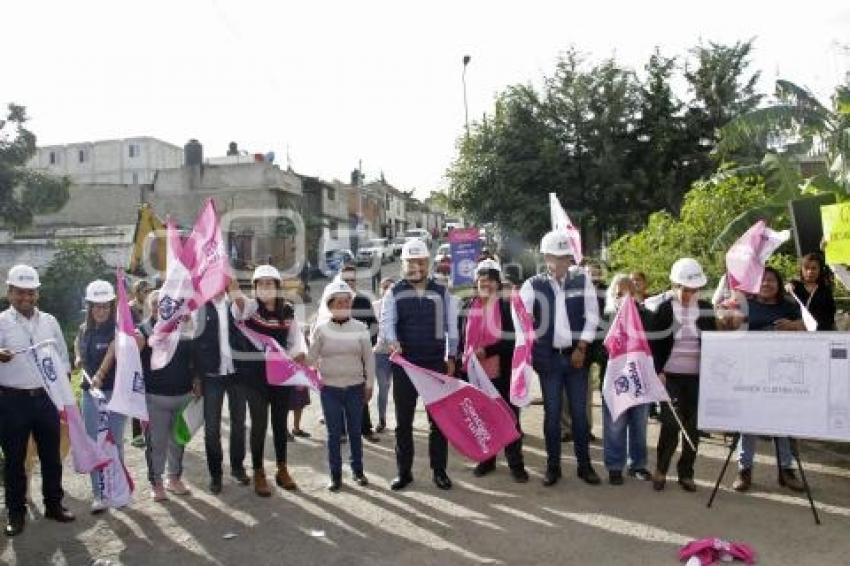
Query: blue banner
465, 249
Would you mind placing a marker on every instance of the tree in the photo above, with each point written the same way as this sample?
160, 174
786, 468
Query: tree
24, 192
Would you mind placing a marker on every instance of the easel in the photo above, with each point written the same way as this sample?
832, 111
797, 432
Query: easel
794, 450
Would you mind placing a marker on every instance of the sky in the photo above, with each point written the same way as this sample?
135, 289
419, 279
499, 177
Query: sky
334, 83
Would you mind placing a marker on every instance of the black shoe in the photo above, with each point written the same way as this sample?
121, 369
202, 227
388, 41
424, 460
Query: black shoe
59, 514
15, 526
441, 480
401, 482
688, 484
615, 477
658, 481
301, 433
361, 479
592, 437
641, 474
382, 426
567, 437
589, 475
484, 468
290, 437
241, 477
215, 486
334, 485
372, 437
551, 477
519, 475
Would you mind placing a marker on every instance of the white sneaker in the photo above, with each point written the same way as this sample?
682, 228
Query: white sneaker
98, 506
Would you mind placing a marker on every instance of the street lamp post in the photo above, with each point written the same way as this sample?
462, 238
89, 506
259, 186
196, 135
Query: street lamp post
466, 59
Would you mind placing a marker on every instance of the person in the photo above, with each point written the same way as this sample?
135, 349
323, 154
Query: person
769, 310
341, 348
383, 371
419, 320
673, 328
361, 310
486, 330
814, 289
95, 354
639, 286
25, 408
141, 289
565, 312
215, 329
270, 314
167, 391
628, 433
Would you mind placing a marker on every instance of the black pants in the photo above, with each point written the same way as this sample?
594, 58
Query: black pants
513, 451
260, 399
20, 416
684, 394
215, 388
405, 396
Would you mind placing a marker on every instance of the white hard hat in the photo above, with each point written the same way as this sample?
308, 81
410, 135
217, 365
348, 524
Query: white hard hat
687, 272
556, 242
336, 287
415, 249
262, 271
99, 291
488, 264
23, 277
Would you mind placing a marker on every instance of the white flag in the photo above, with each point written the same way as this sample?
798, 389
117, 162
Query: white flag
560, 221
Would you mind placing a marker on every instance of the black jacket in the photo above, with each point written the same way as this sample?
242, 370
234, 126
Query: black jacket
661, 326
504, 348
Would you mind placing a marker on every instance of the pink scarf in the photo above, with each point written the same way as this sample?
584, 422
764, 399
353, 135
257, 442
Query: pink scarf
483, 328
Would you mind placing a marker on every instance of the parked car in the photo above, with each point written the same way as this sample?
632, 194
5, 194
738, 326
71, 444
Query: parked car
443, 260
420, 233
334, 260
395, 246
376, 247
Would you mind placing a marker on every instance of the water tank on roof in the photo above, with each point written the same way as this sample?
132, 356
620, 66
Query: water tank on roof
193, 153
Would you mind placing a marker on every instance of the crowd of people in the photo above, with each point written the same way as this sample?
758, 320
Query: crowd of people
351, 343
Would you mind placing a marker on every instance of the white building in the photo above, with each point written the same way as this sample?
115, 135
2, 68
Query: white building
128, 161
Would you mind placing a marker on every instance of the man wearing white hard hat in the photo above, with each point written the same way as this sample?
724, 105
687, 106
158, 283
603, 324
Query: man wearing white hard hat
565, 311
418, 320
94, 354
674, 323
25, 407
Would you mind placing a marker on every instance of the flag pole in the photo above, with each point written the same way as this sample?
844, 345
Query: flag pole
681, 426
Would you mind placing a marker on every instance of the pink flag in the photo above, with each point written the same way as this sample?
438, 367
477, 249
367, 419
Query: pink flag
630, 377
560, 221
174, 298
474, 423
280, 368
54, 374
128, 393
205, 256
478, 378
746, 258
522, 371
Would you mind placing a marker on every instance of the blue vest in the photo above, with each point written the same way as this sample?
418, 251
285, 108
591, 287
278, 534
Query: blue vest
421, 322
544, 321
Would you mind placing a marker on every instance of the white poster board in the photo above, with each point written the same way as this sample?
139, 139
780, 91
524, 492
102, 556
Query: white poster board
793, 384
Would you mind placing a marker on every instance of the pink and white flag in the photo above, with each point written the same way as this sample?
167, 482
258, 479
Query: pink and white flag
560, 221
522, 371
116, 485
474, 423
128, 393
205, 255
747, 257
280, 368
479, 379
630, 377
174, 301
85, 453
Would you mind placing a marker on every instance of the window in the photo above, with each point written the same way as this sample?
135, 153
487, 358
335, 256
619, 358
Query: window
331, 194
134, 150
82, 155
54, 159
135, 178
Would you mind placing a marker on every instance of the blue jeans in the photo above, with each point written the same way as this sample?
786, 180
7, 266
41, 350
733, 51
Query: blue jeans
383, 375
560, 377
747, 451
115, 424
338, 404
626, 434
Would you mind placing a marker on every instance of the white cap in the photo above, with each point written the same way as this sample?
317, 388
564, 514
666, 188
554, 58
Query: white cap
556, 243
687, 272
99, 291
262, 271
487, 264
23, 277
336, 287
415, 249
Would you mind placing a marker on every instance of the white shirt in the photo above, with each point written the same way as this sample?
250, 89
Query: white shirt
562, 337
18, 332
226, 364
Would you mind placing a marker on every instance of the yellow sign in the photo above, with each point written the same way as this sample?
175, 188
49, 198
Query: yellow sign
836, 232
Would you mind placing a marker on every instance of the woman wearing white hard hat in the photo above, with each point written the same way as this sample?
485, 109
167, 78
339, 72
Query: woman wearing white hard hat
267, 312
94, 354
341, 348
674, 325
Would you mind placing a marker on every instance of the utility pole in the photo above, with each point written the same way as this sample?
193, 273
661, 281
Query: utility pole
466, 59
